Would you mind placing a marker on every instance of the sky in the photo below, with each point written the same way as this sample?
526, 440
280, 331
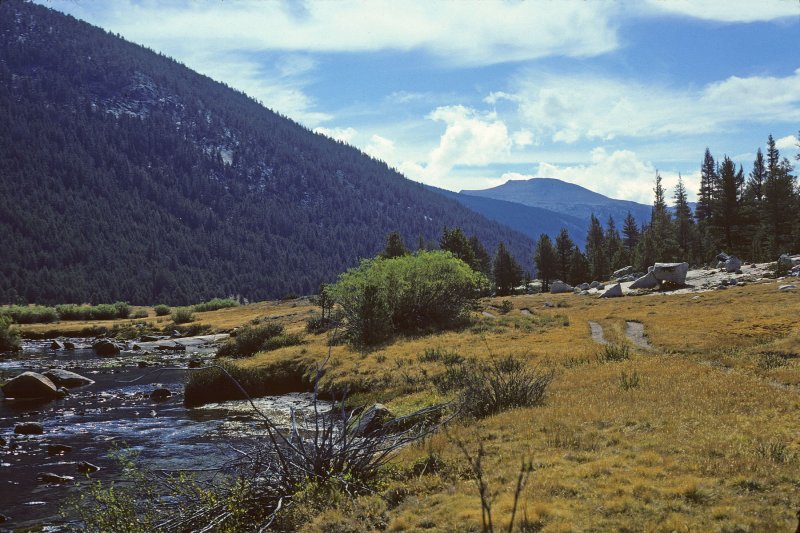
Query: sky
467, 94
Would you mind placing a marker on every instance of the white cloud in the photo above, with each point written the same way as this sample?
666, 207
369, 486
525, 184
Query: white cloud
476, 34
729, 10
571, 108
789, 142
340, 134
381, 148
620, 174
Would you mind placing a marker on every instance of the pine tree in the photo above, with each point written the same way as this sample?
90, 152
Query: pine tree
631, 232
706, 194
455, 242
578, 268
546, 260
726, 216
507, 272
395, 247
657, 243
564, 246
684, 224
780, 201
483, 261
615, 252
595, 250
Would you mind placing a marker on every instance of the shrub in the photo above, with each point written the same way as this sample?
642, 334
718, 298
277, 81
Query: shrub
409, 294
9, 339
614, 352
279, 341
506, 306
30, 314
250, 340
182, 315
489, 388
139, 313
629, 381
216, 303
94, 312
162, 310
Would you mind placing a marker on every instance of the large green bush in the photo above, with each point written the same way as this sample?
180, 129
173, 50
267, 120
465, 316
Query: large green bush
9, 339
408, 294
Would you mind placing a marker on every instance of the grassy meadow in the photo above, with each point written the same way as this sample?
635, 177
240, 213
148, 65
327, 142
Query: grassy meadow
698, 433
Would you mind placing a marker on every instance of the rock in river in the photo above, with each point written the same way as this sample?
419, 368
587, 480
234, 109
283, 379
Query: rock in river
65, 378
105, 347
29, 386
160, 394
28, 428
58, 449
49, 477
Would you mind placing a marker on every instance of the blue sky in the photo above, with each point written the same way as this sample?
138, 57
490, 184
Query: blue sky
466, 94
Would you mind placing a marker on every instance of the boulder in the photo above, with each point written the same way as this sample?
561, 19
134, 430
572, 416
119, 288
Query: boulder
55, 345
49, 477
648, 281
85, 467
58, 449
29, 386
373, 420
559, 286
65, 378
160, 394
624, 271
614, 291
601, 287
584, 286
29, 428
68, 345
105, 347
785, 260
674, 273
594, 284
733, 264
722, 257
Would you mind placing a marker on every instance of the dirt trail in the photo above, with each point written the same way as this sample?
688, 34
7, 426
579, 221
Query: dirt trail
597, 332
635, 332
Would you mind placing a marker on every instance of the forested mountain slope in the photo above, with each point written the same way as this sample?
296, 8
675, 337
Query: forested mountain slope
125, 175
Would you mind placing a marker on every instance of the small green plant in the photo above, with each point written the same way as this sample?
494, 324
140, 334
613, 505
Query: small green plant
771, 360
139, 313
9, 339
439, 355
250, 340
182, 315
506, 307
162, 310
614, 352
629, 381
775, 451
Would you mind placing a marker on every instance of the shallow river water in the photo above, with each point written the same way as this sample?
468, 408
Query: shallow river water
114, 413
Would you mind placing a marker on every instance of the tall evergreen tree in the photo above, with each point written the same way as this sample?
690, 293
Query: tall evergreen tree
395, 247
455, 242
564, 246
657, 243
595, 250
684, 224
483, 261
630, 230
726, 215
546, 260
507, 272
780, 201
615, 252
579, 271
705, 196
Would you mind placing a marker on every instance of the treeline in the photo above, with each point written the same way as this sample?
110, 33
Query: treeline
751, 216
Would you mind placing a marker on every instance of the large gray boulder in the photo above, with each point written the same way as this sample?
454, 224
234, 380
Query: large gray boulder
30, 386
105, 347
674, 273
65, 378
583, 286
648, 281
559, 286
733, 264
624, 271
613, 292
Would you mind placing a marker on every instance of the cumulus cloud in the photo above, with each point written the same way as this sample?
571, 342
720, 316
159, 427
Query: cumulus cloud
619, 174
381, 148
789, 142
728, 11
571, 108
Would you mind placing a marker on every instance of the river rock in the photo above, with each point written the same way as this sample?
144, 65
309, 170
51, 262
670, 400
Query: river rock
2, 441
68, 345
559, 286
196, 363
674, 273
624, 271
613, 292
648, 281
788, 260
3, 518
29, 386
160, 394
87, 468
105, 347
373, 420
594, 284
49, 477
583, 286
28, 428
55, 345
65, 378
58, 449
733, 264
